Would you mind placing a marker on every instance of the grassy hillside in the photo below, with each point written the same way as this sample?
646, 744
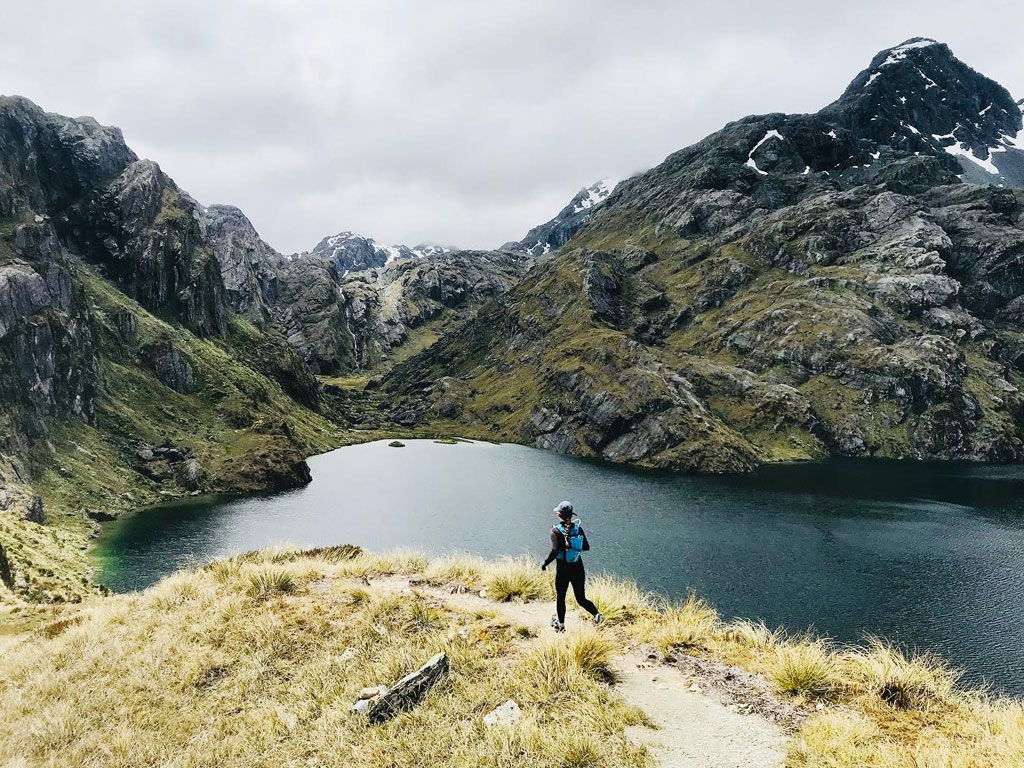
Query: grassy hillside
237, 428
255, 661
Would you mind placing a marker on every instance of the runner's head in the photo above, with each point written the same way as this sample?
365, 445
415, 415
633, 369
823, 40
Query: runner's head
564, 511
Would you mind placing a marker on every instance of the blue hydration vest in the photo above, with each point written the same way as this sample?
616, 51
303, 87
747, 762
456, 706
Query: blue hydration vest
573, 543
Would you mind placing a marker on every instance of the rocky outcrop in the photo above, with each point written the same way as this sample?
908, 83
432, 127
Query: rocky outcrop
6, 576
148, 237
248, 266
171, 367
48, 366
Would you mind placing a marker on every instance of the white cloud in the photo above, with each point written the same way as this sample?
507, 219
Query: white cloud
455, 121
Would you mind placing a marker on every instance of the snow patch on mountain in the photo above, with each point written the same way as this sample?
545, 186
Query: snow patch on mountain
772, 134
596, 193
899, 53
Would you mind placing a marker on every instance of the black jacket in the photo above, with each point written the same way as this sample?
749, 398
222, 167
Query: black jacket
558, 544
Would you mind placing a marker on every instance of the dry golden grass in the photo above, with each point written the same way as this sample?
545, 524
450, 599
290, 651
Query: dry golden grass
254, 661
619, 600
808, 669
225, 666
690, 624
517, 579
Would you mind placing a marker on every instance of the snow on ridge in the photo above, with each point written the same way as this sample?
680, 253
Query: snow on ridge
929, 83
900, 51
959, 149
333, 244
597, 192
772, 134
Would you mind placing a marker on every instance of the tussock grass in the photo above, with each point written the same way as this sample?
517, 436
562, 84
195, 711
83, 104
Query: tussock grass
753, 634
565, 664
267, 581
620, 601
463, 569
690, 624
204, 669
901, 681
517, 579
808, 669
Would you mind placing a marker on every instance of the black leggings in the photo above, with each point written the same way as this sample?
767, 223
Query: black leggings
571, 573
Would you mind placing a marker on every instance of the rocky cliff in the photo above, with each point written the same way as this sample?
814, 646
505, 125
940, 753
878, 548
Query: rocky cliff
791, 287
125, 373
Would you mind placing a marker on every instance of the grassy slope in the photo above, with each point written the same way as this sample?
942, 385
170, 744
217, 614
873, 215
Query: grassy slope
255, 661
239, 423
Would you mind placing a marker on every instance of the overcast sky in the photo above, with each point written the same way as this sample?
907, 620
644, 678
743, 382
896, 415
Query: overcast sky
457, 122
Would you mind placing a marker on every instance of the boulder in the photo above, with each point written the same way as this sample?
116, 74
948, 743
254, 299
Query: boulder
171, 367
408, 691
190, 474
34, 512
508, 714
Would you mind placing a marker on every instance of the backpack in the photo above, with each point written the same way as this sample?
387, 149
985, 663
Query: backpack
573, 542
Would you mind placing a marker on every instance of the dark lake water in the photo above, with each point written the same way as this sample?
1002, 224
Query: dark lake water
929, 555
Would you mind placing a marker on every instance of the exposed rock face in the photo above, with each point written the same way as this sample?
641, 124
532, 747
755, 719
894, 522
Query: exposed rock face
6, 577
792, 286
148, 236
171, 367
35, 513
248, 266
350, 322
47, 357
110, 290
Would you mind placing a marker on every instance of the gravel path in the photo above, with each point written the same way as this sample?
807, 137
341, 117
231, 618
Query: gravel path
697, 728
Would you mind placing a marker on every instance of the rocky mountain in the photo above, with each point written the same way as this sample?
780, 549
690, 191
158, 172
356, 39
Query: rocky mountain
555, 233
790, 287
125, 372
351, 252
144, 339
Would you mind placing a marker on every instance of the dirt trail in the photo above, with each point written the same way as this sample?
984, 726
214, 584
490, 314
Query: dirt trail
696, 729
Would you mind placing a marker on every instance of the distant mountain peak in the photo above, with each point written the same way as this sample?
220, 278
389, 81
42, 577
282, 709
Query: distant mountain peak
596, 193
352, 252
919, 97
553, 234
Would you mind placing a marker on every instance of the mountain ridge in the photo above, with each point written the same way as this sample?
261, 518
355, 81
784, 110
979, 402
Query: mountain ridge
789, 287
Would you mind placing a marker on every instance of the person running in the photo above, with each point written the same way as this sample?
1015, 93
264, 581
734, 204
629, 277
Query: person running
568, 543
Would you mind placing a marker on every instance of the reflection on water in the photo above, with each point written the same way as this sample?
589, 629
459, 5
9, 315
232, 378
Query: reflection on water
928, 555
